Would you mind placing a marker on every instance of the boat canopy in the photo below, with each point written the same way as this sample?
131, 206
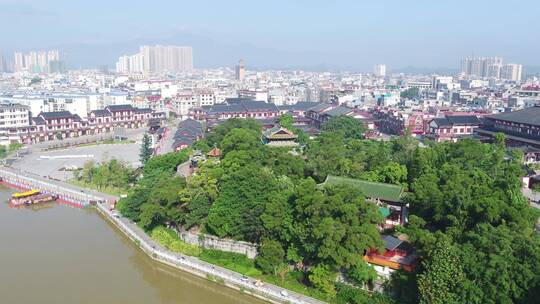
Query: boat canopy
25, 194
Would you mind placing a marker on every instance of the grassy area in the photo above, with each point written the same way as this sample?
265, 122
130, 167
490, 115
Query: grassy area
232, 261
170, 240
296, 281
108, 190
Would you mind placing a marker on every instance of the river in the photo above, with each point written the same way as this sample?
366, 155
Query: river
60, 254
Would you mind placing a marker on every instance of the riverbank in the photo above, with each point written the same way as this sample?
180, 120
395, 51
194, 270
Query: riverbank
267, 292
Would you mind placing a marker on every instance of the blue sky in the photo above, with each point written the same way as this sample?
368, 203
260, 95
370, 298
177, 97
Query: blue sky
400, 33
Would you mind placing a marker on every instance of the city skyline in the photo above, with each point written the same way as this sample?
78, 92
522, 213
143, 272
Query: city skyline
157, 58
356, 38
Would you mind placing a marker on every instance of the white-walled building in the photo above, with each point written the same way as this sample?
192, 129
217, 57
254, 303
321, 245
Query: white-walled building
12, 117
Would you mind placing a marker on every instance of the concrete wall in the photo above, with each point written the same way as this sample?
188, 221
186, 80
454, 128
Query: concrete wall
213, 242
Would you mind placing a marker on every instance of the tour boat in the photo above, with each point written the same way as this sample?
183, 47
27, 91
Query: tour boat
30, 197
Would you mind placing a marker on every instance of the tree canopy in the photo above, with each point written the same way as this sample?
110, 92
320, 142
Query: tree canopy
468, 220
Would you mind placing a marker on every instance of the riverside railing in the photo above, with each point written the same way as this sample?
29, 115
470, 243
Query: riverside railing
27, 180
201, 268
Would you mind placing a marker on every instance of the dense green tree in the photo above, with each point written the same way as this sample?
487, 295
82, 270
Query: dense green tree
409, 93
286, 121
501, 263
167, 163
468, 219
442, 275
200, 193
271, 257
323, 278
243, 195
282, 162
241, 140
362, 273
328, 155
202, 145
130, 207
146, 149
151, 216
216, 136
347, 294
277, 216
107, 174
349, 126
334, 224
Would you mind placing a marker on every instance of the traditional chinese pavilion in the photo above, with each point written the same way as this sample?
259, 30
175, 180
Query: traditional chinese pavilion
279, 137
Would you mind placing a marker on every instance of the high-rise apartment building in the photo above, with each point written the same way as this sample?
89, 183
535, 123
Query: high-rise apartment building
490, 67
482, 67
36, 62
157, 59
240, 71
380, 70
512, 71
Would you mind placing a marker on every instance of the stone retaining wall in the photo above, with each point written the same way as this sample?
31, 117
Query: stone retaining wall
213, 242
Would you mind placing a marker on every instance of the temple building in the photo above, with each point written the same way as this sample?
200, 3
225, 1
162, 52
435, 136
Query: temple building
279, 137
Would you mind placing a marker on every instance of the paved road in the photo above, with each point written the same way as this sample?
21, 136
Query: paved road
165, 145
187, 263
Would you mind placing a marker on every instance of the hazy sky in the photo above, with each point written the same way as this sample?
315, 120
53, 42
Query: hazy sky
433, 33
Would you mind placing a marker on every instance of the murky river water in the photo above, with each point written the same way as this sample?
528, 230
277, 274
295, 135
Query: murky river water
59, 254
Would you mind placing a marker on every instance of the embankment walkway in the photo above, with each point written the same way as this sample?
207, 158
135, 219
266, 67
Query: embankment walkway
189, 264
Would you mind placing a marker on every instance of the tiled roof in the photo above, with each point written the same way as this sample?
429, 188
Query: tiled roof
189, 122
299, 106
529, 116
224, 108
183, 141
59, 114
142, 110
242, 106
101, 113
38, 120
442, 122
338, 111
391, 242
320, 107
124, 107
250, 105
463, 119
386, 192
